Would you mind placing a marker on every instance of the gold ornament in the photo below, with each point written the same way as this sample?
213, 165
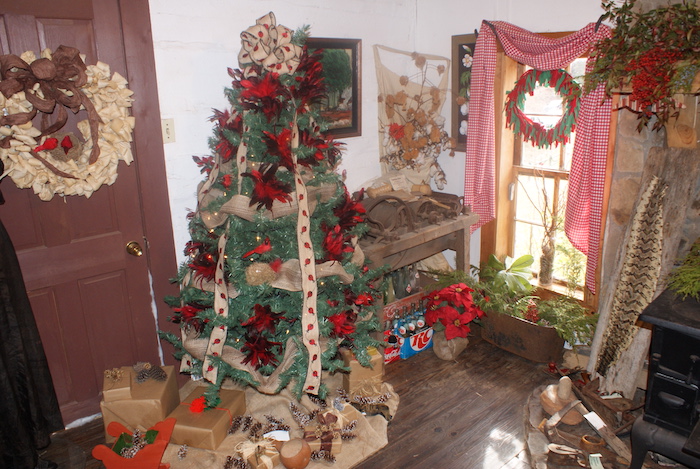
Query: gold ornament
258, 273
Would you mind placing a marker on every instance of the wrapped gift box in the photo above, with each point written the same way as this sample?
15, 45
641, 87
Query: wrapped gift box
138, 405
359, 375
206, 429
260, 455
324, 434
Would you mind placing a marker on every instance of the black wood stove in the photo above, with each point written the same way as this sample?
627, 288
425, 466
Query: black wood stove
670, 425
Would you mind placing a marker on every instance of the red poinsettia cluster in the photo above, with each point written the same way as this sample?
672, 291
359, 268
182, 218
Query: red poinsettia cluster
453, 309
258, 349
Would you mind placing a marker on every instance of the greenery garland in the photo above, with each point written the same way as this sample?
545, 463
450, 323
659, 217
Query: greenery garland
535, 132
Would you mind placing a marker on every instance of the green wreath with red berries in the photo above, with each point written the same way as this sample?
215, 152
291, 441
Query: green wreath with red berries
535, 132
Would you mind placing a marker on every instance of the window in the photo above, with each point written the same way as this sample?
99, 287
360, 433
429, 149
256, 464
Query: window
539, 194
524, 174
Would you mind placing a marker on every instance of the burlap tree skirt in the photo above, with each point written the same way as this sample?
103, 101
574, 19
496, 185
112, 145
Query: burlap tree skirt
371, 431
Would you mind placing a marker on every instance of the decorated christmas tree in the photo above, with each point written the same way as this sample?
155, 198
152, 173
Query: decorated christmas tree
275, 281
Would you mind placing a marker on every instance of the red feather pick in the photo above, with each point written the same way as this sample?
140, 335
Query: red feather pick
343, 323
263, 319
267, 187
281, 145
259, 351
263, 95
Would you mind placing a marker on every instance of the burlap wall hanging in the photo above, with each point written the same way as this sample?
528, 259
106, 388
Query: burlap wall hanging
412, 90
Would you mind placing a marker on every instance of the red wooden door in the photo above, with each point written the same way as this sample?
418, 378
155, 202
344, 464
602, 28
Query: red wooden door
94, 304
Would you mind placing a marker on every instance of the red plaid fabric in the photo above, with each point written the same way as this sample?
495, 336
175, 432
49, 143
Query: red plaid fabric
587, 177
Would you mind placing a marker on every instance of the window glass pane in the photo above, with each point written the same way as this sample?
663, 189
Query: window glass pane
528, 240
569, 152
530, 198
544, 101
533, 157
569, 262
577, 70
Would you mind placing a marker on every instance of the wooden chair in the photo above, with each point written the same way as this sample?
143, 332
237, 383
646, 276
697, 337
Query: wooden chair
148, 458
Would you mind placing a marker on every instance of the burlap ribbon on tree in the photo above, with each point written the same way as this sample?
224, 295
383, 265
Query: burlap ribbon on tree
197, 347
218, 333
239, 205
269, 46
47, 83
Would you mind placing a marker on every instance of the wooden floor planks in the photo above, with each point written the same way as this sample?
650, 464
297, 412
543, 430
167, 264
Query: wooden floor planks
462, 414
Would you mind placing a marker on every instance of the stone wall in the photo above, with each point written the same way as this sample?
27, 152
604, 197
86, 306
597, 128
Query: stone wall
638, 155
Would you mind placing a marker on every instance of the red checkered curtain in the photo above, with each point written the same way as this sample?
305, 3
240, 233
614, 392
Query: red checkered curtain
587, 176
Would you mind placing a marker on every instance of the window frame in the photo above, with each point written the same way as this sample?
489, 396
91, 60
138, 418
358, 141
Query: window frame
496, 236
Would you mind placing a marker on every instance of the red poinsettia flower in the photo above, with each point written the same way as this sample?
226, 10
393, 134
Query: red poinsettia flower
267, 187
396, 131
259, 351
457, 324
343, 323
280, 145
434, 313
263, 95
452, 308
263, 319
459, 294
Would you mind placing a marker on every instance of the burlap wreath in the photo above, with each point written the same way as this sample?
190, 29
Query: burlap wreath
45, 160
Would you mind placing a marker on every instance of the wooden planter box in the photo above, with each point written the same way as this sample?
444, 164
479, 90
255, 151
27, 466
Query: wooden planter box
539, 344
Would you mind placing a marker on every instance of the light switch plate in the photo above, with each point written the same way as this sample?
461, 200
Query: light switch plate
168, 127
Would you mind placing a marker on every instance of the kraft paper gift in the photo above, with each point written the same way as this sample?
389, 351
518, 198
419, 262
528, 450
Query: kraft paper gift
325, 434
260, 455
206, 429
360, 375
145, 403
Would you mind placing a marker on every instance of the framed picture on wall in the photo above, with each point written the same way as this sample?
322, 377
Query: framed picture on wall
341, 61
462, 55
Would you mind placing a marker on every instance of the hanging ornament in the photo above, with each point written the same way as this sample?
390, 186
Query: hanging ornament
58, 163
535, 132
259, 273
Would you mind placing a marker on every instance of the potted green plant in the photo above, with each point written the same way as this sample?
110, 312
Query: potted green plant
516, 318
652, 54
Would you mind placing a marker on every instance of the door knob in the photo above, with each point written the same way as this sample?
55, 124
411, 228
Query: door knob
134, 249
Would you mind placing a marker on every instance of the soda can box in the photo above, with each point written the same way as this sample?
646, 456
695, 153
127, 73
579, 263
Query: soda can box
415, 343
394, 310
